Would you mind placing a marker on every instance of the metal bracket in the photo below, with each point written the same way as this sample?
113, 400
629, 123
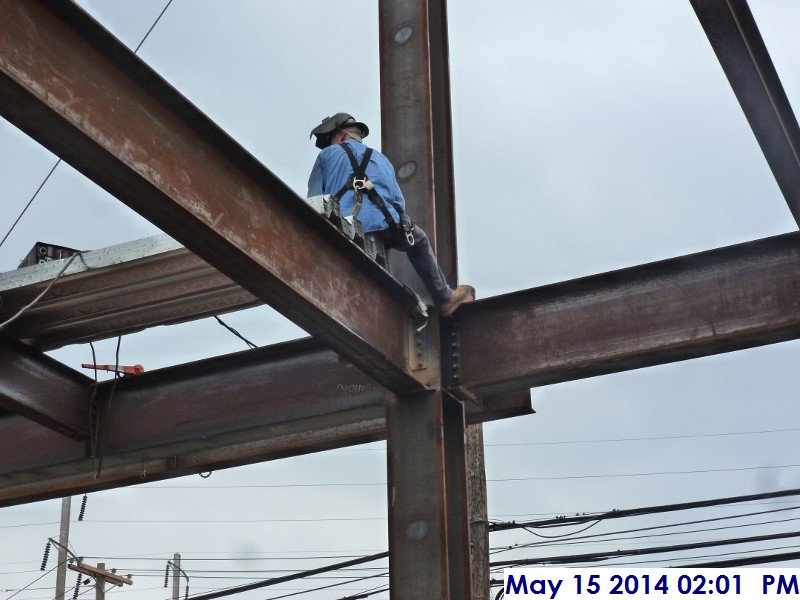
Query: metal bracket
452, 354
419, 339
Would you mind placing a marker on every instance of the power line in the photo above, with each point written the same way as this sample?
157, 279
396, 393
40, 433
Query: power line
27, 206
751, 560
300, 575
644, 474
583, 539
702, 556
34, 581
153, 26
648, 438
647, 510
601, 556
58, 162
495, 480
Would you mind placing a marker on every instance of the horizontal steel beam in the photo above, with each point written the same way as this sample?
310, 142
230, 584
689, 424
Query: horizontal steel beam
77, 90
707, 303
744, 57
42, 389
287, 399
116, 290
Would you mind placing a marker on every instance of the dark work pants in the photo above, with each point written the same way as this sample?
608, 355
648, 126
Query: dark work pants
425, 264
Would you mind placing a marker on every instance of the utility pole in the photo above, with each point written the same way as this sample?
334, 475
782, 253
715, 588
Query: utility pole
63, 542
101, 577
175, 563
176, 574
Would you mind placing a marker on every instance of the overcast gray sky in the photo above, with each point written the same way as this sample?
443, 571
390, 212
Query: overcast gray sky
589, 136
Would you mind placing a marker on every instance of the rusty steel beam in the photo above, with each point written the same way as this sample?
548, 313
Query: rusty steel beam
417, 135
43, 390
418, 541
416, 123
744, 57
77, 90
117, 290
246, 407
291, 398
702, 304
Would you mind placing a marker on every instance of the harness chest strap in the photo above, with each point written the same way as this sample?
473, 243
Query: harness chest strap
359, 182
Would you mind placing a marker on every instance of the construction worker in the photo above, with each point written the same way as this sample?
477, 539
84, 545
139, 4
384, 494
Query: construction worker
364, 182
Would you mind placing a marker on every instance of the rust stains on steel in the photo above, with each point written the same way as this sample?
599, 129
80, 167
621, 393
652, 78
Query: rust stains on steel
290, 398
60, 76
418, 557
43, 390
707, 303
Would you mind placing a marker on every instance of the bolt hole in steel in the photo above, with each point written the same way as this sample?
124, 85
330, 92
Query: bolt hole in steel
407, 169
417, 530
403, 35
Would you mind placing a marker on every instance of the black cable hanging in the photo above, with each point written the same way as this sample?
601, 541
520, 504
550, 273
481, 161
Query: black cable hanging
236, 333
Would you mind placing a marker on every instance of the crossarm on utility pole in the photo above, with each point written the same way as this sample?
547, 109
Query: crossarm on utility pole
100, 572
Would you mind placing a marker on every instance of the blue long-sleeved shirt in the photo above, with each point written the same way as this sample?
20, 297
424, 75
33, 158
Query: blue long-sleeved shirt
332, 170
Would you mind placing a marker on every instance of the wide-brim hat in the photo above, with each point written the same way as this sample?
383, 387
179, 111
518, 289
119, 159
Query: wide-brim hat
325, 129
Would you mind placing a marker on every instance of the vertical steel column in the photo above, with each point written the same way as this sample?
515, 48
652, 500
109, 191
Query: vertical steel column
442, 129
406, 118
458, 531
417, 137
418, 545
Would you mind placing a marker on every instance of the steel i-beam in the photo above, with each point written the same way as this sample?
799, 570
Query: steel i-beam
707, 303
418, 544
76, 89
744, 57
43, 390
290, 398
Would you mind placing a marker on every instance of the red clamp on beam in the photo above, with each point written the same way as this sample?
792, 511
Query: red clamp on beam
124, 369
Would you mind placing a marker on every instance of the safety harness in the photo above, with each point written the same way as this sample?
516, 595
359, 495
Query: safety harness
360, 183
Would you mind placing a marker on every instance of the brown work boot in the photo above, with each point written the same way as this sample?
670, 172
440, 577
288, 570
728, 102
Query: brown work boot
461, 295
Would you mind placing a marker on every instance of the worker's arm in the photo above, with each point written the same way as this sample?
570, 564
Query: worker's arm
316, 181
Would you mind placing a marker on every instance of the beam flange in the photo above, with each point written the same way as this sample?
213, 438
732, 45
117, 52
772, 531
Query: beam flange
291, 398
702, 304
744, 57
43, 390
77, 90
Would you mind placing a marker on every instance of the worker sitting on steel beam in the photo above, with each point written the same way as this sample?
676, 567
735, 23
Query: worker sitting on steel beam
350, 171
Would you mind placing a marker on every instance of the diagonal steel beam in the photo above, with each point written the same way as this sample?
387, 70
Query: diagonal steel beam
73, 87
702, 304
290, 398
741, 51
43, 390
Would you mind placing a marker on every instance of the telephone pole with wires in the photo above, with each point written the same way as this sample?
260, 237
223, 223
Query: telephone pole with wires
175, 563
101, 577
63, 542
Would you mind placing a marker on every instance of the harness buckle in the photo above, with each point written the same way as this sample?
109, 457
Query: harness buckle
359, 183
